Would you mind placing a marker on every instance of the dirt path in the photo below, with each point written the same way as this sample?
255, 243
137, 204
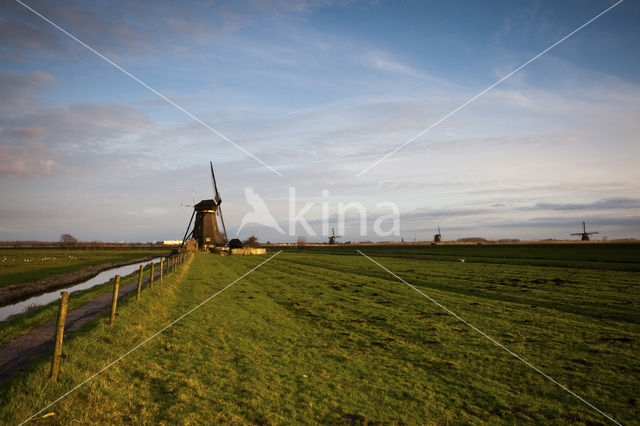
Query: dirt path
18, 352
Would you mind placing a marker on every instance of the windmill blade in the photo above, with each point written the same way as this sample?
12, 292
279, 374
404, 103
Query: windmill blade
438, 229
593, 233
216, 195
188, 226
188, 236
224, 228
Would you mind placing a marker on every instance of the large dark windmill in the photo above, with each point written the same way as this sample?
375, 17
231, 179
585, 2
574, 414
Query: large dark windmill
207, 231
584, 234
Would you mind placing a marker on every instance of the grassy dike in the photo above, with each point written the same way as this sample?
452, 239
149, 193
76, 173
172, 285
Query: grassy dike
93, 347
324, 338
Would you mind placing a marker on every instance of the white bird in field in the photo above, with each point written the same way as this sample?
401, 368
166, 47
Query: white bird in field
260, 214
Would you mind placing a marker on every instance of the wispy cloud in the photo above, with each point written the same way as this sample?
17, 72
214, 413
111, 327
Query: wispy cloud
30, 161
382, 61
607, 204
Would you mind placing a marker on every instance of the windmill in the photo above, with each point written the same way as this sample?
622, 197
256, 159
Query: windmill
206, 229
438, 237
332, 238
585, 235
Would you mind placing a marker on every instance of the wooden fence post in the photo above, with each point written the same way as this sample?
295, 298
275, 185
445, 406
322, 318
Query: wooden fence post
151, 279
139, 283
114, 302
161, 259
57, 351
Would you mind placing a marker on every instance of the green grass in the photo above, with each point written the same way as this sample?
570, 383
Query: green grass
329, 338
22, 265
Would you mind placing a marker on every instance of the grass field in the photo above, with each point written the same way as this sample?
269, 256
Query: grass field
320, 336
22, 265
613, 256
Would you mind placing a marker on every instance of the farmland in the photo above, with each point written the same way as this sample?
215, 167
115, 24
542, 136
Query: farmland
325, 335
21, 265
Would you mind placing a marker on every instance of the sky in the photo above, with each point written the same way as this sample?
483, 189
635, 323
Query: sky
319, 91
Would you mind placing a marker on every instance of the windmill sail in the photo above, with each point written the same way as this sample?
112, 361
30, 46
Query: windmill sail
218, 201
216, 194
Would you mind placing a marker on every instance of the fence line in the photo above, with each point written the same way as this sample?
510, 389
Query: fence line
172, 262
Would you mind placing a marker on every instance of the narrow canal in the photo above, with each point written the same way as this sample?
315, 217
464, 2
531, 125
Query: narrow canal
46, 298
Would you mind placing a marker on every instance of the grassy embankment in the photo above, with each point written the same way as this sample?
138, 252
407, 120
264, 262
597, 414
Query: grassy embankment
331, 338
22, 265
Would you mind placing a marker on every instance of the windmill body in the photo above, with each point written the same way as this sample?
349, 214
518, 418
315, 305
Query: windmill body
206, 230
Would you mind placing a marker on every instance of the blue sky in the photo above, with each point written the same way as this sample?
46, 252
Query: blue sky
320, 90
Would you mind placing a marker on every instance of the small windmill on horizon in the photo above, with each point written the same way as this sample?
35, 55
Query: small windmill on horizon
438, 237
585, 236
333, 236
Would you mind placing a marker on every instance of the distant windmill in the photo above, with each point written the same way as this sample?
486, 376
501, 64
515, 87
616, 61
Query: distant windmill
206, 230
584, 234
332, 238
438, 237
